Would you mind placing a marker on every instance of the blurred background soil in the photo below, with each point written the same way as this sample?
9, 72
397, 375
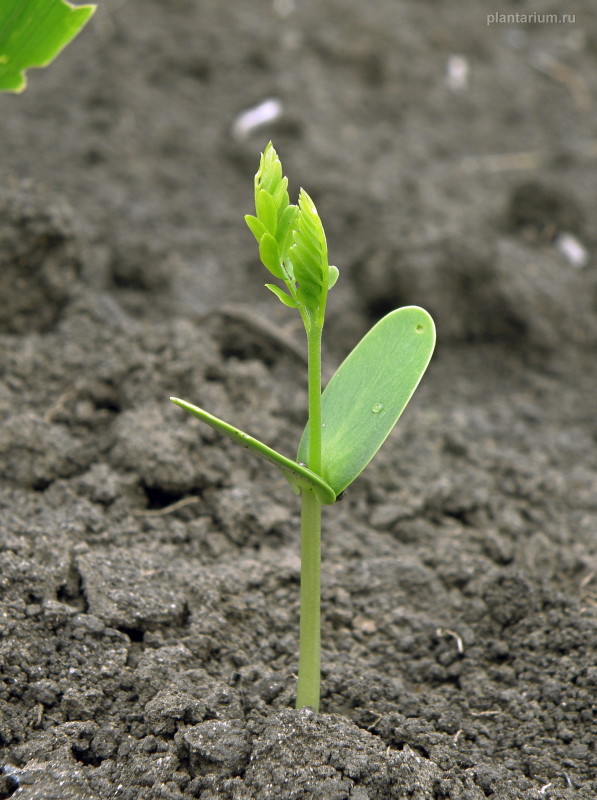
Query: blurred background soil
148, 571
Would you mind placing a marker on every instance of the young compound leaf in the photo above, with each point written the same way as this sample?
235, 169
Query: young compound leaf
309, 255
291, 239
32, 33
368, 393
270, 256
297, 475
281, 295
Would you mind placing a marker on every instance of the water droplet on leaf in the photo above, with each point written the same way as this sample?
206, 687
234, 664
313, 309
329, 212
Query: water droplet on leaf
419, 328
377, 408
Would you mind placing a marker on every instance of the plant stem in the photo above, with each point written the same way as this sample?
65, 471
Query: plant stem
314, 388
307, 693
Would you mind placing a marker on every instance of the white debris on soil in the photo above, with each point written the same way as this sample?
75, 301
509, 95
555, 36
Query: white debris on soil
246, 122
457, 73
572, 249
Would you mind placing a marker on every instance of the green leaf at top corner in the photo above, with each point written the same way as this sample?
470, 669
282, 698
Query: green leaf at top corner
33, 33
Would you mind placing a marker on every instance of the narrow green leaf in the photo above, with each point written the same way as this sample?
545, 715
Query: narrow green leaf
280, 195
369, 391
257, 228
32, 34
297, 475
286, 225
266, 211
281, 295
268, 252
333, 273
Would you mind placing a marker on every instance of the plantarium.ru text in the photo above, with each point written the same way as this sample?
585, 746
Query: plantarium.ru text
362, 402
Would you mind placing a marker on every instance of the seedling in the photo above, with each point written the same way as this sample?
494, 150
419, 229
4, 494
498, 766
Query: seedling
362, 402
32, 33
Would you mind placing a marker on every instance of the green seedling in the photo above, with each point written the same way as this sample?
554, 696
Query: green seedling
362, 402
32, 33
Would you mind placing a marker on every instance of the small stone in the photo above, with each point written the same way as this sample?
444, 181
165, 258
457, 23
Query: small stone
77, 705
218, 746
364, 625
89, 623
44, 691
126, 591
168, 709
56, 612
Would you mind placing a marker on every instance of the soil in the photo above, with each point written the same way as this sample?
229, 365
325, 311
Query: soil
149, 569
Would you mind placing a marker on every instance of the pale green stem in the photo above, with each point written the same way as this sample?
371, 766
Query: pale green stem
314, 389
307, 693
